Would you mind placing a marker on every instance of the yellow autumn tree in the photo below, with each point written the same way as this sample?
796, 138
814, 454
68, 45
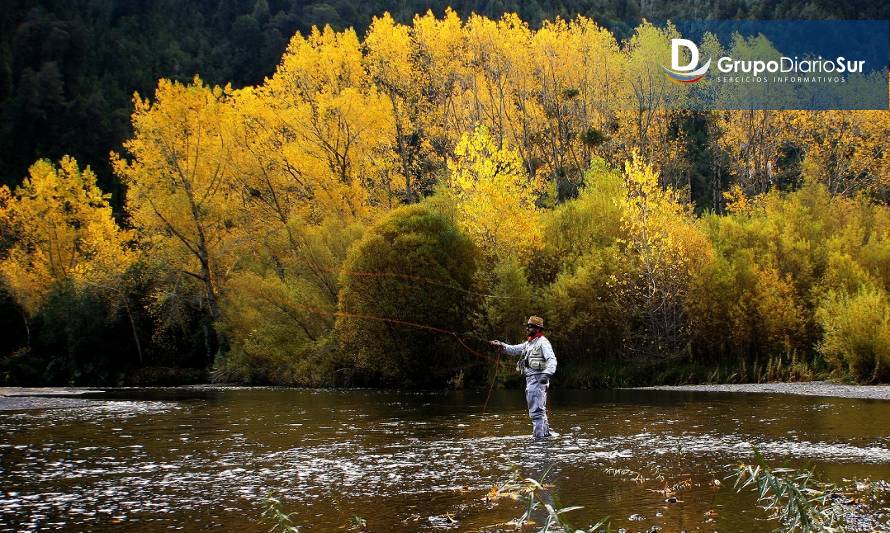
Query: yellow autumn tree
578, 72
332, 129
844, 149
495, 198
314, 153
650, 104
389, 49
315, 156
498, 78
666, 249
440, 59
278, 200
59, 227
754, 139
178, 178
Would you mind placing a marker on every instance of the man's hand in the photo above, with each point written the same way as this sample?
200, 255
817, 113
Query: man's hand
498, 345
545, 380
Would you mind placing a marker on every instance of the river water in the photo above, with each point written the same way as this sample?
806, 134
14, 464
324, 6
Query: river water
197, 459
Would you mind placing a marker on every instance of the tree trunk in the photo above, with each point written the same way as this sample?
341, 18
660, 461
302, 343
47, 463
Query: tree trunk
209, 341
27, 328
133, 329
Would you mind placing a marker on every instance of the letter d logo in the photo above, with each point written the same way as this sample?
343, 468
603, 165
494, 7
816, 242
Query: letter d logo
675, 55
685, 73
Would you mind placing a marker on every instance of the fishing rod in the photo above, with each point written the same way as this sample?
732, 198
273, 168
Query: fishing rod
494, 377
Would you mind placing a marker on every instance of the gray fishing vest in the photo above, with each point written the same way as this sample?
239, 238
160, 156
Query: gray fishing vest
534, 355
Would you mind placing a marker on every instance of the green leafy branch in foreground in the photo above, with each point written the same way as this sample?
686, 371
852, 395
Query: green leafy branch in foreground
793, 497
279, 520
533, 492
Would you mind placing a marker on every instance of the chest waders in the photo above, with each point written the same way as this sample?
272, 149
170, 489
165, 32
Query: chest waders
536, 385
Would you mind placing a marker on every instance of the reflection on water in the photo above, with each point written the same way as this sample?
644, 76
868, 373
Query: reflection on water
206, 458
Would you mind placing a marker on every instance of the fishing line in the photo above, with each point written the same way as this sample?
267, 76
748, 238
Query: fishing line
494, 377
457, 336
413, 277
423, 279
426, 280
454, 334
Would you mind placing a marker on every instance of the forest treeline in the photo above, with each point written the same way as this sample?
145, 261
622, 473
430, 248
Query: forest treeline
376, 208
68, 68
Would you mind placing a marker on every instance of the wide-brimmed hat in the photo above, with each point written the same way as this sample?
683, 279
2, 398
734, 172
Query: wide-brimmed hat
535, 321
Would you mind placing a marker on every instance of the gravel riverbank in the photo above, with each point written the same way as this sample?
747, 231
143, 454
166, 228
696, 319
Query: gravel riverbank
809, 388
20, 398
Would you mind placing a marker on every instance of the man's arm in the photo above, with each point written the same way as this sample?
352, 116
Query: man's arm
509, 349
514, 349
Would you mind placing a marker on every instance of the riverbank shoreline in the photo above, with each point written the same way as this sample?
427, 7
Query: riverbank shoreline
26, 398
801, 388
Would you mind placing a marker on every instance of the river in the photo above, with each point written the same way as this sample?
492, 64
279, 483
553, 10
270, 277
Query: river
205, 458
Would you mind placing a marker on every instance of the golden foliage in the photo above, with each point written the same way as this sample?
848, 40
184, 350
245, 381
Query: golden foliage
736, 201
178, 180
666, 249
495, 199
62, 229
844, 149
329, 126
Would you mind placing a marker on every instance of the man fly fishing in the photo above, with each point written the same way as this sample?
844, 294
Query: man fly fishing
538, 362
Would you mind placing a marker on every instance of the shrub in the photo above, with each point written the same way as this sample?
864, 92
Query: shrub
780, 317
409, 273
875, 257
844, 274
664, 248
857, 333
625, 279
590, 221
715, 303
587, 318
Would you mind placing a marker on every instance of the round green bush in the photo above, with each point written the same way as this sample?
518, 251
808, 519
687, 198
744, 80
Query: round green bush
409, 276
